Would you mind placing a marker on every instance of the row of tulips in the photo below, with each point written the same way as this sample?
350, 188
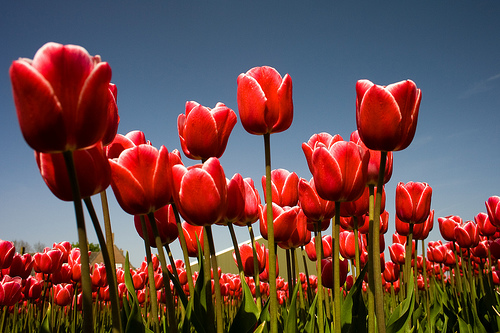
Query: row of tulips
67, 111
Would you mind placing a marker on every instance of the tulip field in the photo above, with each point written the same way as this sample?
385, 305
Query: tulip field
67, 111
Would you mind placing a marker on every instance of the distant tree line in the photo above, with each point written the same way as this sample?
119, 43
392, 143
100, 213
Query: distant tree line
25, 247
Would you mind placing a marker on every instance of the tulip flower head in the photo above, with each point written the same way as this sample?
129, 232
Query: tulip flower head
447, 226
7, 251
62, 98
386, 116
284, 186
493, 208
313, 206
413, 202
165, 222
204, 132
265, 101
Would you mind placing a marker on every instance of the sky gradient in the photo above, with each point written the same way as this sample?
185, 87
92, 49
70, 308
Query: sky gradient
164, 53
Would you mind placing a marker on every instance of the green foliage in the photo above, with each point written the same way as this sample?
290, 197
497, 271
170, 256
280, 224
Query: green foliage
92, 246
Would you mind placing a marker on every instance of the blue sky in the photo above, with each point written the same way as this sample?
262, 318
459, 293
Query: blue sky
164, 53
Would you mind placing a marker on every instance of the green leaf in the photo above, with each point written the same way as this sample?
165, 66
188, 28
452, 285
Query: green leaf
135, 322
45, 327
402, 314
260, 328
310, 326
463, 326
247, 314
354, 307
291, 320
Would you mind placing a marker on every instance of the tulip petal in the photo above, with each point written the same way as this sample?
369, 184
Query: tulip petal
252, 105
200, 132
327, 174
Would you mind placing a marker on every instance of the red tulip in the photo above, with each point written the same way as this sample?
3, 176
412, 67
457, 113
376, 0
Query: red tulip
340, 172
48, 261
246, 253
384, 223
191, 234
63, 294
252, 204
284, 221
318, 139
447, 226
397, 252
62, 98
413, 202
347, 244
122, 142
327, 247
265, 100
62, 275
200, 192
482, 249
313, 206
467, 235
204, 132
284, 186
141, 179
327, 272
387, 116
349, 223
7, 251
484, 225
493, 208
374, 163
92, 171
264, 276
21, 266
32, 288
360, 206
165, 222
235, 200
421, 231
300, 235
10, 290
391, 272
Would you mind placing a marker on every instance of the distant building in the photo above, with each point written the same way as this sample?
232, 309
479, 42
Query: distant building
96, 258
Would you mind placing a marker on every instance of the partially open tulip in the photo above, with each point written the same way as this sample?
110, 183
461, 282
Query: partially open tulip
265, 101
92, 171
10, 290
324, 139
284, 185
284, 222
347, 244
122, 142
62, 98
193, 235
48, 261
340, 171
386, 116
235, 200
413, 202
484, 225
252, 204
21, 265
7, 251
63, 294
397, 252
374, 163
246, 253
165, 222
447, 226
467, 235
300, 235
141, 179
313, 206
493, 208
421, 231
327, 247
327, 271
200, 192
204, 132
391, 272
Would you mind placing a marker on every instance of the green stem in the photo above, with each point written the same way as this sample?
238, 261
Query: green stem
306, 270
109, 266
336, 268
256, 276
83, 243
215, 266
371, 271
182, 239
172, 261
237, 251
356, 248
107, 230
270, 238
319, 255
289, 275
151, 277
171, 319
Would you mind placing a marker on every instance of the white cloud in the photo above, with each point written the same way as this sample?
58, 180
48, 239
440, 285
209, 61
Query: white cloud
480, 87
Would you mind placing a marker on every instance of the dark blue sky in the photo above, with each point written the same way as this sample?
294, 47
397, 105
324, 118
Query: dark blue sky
164, 53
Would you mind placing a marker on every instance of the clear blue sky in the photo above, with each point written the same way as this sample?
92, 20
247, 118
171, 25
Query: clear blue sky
164, 53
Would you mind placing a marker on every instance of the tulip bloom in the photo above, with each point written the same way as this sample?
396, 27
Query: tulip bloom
493, 208
141, 179
484, 225
7, 251
284, 185
63, 294
193, 235
327, 247
300, 235
165, 222
447, 226
386, 117
47, 262
10, 290
252, 204
284, 222
467, 235
204, 132
313, 206
265, 100
327, 272
246, 253
235, 200
200, 192
340, 171
21, 265
413, 202
122, 142
92, 171
316, 140
62, 98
